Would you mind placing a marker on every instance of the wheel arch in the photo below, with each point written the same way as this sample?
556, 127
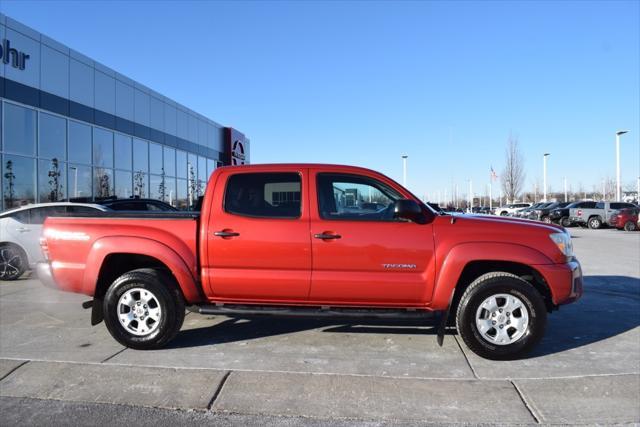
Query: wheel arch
475, 269
111, 257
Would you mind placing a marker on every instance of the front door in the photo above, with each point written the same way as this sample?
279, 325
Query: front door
362, 255
258, 240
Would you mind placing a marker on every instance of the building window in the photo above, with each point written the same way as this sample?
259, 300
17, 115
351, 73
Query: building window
52, 143
157, 187
79, 145
123, 184
52, 177
19, 130
122, 148
155, 159
102, 148
18, 178
102, 183
169, 161
79, 182
182, 201
140, 184
181, 164
170, 191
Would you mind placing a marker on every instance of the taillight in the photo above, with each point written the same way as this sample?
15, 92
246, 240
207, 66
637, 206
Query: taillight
44, 247
579, 212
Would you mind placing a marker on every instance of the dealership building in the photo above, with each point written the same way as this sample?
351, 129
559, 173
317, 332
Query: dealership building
74, 129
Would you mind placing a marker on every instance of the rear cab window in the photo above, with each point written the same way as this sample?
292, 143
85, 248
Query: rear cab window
264, 195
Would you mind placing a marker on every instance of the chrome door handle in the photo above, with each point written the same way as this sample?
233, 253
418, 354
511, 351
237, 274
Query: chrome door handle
23, 230
226, 234
325, 236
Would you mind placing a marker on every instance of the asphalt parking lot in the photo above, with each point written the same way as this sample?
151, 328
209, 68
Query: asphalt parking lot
54, 366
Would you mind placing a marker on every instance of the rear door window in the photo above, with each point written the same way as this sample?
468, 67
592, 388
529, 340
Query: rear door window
22, 216
38, 215
264, 195
81, 209
600, 205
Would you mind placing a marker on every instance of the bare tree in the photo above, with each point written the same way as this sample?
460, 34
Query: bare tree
513, 173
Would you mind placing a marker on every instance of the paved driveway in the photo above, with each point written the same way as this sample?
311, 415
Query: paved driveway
587, 365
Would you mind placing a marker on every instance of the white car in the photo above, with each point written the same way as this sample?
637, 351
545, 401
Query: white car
510, 209
20, 231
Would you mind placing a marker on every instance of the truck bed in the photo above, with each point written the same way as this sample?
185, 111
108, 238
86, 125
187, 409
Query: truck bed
78, 244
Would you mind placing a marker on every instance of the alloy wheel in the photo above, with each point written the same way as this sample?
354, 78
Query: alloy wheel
139, 311
502, 319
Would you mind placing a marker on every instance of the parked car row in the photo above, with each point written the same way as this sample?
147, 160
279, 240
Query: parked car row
620, 215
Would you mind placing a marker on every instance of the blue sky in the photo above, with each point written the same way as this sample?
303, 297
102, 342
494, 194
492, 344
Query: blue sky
365, 82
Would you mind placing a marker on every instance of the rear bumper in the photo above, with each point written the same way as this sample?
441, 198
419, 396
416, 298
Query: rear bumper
43, 270
564, 280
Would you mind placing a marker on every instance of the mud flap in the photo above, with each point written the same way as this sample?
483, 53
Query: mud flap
444, 318
96, 312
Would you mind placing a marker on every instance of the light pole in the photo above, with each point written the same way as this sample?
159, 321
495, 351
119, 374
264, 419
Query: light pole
470, 207
75, 180
565, 189
544, 167
620, 132
404, 170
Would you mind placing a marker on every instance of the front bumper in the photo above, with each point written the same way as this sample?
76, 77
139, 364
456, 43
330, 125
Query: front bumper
564, 280
43, 270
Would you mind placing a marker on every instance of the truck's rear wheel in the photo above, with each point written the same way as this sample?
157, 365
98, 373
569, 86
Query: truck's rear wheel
144, 309
565, 221
501, 316
595, 222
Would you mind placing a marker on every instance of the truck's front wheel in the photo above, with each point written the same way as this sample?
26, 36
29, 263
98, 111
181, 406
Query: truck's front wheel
144, 309
501, 316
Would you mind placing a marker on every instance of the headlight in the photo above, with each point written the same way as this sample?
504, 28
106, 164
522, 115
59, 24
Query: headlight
563, 242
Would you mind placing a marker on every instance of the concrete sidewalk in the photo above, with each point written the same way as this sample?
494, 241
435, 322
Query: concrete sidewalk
592, 399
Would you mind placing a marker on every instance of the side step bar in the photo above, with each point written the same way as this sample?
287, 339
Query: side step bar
314, 312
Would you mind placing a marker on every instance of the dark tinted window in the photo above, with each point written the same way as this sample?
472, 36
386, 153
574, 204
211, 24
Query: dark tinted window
586, 205
38, 215
21, 216
81, 209
129, 206
264, 195
355, 197
600, 205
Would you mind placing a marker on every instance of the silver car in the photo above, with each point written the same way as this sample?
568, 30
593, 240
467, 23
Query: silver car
20, 231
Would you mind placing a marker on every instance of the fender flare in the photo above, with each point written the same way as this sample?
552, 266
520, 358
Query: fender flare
176, 260
460, 255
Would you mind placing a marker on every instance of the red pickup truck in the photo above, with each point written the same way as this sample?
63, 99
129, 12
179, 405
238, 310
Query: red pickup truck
314, 240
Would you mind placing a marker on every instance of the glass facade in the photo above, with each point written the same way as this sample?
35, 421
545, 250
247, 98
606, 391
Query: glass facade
47, 157
74, 129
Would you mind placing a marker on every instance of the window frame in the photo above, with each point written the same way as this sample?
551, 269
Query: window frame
292, 218
351, 176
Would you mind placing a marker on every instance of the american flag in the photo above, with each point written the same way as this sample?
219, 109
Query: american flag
493, 174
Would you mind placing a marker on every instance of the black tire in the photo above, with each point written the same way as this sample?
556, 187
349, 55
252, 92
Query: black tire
504, 213
565, 222
630, 226
13, 262
169, 298
500, 283
594, 222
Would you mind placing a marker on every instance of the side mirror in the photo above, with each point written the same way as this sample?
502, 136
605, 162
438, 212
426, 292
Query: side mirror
409, 210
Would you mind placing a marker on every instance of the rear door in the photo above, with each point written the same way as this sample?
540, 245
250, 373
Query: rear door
361, 254
258, 244
29, 234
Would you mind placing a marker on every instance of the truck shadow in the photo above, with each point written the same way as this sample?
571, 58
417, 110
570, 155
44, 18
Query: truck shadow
610, 306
